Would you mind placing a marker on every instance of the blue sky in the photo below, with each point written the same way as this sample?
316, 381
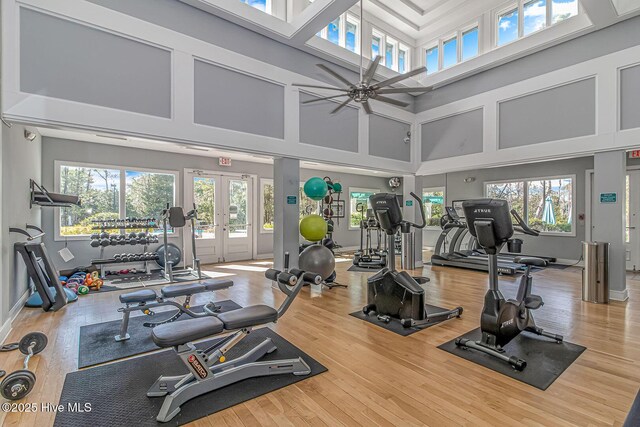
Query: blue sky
449, 53
508, 28
258, 4
470, 44
432, 61
535, 16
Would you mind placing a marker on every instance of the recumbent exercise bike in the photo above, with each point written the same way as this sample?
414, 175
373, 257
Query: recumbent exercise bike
502, 320
395, 294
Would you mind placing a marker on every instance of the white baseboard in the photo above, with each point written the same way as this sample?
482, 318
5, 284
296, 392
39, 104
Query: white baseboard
13, 313
619, 295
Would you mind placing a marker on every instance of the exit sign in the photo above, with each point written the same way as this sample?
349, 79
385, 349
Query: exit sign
634, 154
224, 161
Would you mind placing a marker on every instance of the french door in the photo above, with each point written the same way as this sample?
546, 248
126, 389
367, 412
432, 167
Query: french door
632, 215
224, 231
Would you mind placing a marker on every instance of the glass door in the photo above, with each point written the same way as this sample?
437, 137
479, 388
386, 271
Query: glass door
208, 237
237, 215
632, 211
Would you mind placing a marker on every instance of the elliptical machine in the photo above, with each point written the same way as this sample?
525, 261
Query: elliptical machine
395, 294
368, 256
502, 320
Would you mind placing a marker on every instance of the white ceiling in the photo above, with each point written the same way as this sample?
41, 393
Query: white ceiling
194, 150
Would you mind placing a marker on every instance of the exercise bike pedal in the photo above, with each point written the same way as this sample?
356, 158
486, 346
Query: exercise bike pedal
533, 302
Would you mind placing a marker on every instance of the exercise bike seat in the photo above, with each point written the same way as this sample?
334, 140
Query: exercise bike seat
178, 333
143, 295
530, 260
533, 302
248, 316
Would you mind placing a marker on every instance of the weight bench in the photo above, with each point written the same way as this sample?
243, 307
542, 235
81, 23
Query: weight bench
147, 299
209, 369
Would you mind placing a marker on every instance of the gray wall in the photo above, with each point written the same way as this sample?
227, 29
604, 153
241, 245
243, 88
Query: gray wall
20, 162
78, 151
452, 136
566, 111
557, 246
617, 37
319, 127
228, 99
62, 59
386, 138
630, 98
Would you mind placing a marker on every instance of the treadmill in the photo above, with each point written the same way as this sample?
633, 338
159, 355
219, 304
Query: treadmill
469, 259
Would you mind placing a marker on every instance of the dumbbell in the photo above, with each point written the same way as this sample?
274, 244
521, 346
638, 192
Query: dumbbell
95, 236
95, 243
104, 235
105, 242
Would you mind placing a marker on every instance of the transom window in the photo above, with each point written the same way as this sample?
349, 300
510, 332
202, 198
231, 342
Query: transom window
529, 16
109, 192
395, 55
546, 204
452, 49
343, 31
263, 5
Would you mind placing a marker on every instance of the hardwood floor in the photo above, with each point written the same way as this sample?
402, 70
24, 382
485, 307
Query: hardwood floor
376, 377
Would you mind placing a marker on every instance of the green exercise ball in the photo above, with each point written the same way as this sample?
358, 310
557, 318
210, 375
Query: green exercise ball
315, 188
337, 187
313, 228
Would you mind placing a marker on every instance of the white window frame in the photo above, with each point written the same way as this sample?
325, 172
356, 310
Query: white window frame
263, 182
58, 164
268, 6
435, 45
444, 201
407, 57
461, 32
357, 190
382, 36
342, 31
398, 44
526, 181
439, 43
519, 6
444, 40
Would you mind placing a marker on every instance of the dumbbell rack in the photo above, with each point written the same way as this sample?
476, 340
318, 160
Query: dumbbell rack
146, 224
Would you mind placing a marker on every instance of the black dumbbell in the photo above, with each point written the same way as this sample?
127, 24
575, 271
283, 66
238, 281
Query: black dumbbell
95, 243
95, 236
105, 242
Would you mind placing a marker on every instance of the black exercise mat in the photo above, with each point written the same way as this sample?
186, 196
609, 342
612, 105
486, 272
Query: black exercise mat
363, 269
97, 343
546, 359
633, 417
117, 392
394, 325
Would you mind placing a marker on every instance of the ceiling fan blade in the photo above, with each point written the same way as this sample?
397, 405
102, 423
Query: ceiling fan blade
325, 98
371, 70
367, 107
319, 87
399, 78
405, 90
341, 106
334, 74
390, 101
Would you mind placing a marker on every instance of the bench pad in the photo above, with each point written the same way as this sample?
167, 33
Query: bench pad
216, 284
253, 315
529, 260
178, 333
142, 295
173, 291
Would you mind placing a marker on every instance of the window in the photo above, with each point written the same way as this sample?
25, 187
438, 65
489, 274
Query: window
403, 59
529, 16
263, 5
455, 48
433, 201
267, 205
395, 55
535, 16
563, 9
204, 196
432, 60
508, 27
358, 196
101, 189
450, 52
343, 31
470, 43
307, 206
546, 204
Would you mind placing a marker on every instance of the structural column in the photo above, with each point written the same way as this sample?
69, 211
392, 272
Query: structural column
411, 211
608, 215
286, 186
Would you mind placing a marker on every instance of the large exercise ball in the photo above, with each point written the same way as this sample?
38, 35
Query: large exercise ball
317, 259
315, 188
313, 228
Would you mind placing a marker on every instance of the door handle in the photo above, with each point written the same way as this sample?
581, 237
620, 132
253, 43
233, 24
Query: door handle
630, 228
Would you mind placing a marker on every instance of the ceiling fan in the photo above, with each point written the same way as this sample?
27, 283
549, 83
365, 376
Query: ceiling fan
365, 90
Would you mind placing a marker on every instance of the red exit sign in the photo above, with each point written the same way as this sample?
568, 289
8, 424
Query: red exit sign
224, 161
634, 154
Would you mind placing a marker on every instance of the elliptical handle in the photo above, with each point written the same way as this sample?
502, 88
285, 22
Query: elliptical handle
522, 226
422, 214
